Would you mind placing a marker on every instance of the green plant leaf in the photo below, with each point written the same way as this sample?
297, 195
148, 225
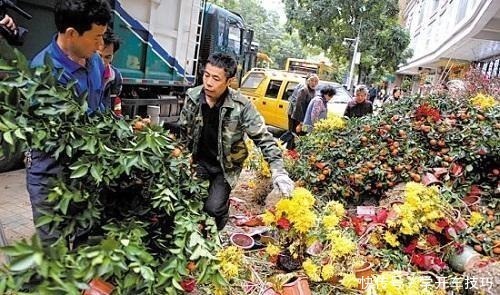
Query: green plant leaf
80, 172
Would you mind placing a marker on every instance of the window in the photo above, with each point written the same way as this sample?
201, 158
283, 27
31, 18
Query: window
253, 80
290, 87
273, 89
234, 42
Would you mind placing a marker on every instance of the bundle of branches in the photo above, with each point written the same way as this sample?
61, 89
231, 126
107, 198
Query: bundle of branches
126, 196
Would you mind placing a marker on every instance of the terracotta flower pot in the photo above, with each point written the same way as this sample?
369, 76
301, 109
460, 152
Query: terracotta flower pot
472, 202
363, 273
297, 286
99, 287
241, 240
270, 291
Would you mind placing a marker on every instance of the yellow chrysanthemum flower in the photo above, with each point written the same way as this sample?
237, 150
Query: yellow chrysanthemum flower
311, 270
332, 122
391, 239
349, 281
327, 272
330, 221
268, 218
272, 250
475, 218
484, 101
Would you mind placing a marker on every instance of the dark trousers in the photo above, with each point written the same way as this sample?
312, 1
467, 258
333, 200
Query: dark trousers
217, 202
41, 169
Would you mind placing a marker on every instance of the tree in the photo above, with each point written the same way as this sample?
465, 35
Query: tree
268, 32
325, 23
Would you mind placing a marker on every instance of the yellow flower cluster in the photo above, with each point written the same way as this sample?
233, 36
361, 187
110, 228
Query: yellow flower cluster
475, 218
395, 283
422, 206
255, 160
484, 101
230, 261
391, 239
349, 281
334, 211
329, 124
298, 210
272, 250
340, 244
311, 270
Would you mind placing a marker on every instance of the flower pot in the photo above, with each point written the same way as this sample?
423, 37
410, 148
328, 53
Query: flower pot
99, 287
472, 202
241, 240
363, 273
464, 260
297, 286
269, 291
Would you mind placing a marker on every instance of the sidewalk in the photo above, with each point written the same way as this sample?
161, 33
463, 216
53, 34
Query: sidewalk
15, 207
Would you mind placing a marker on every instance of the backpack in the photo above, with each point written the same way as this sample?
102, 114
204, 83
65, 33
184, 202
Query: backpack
292, 100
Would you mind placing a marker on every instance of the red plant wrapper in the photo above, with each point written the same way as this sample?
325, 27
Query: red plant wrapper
432, 240
382, 216
188, 284
283, 223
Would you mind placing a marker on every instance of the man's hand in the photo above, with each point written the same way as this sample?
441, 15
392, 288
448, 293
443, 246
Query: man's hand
298, 129
8, 22
283, 183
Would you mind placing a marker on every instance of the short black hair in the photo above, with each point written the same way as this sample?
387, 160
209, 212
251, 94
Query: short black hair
81, 14
328, 90
224, 61
111, 38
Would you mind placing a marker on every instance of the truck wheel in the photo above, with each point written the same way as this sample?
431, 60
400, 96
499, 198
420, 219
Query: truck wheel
10, 163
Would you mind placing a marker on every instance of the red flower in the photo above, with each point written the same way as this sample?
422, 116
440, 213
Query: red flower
382, 216
432, 240
283, 223
344, 223
427, 112
410, 249
359, 225
475, 190
418, 260
442, 223
188, 284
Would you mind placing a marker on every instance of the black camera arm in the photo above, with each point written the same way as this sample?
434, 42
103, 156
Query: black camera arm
4, 4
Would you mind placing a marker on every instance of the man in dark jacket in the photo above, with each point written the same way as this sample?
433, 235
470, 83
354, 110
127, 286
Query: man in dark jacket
304, 97
359, 106
213, 122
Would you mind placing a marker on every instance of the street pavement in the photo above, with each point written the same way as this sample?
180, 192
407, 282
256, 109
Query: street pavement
15, 208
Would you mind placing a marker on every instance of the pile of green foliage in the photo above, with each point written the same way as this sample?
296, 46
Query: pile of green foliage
404, 142
130, 193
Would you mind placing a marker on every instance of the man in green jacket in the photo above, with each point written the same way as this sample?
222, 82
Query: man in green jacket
213, 123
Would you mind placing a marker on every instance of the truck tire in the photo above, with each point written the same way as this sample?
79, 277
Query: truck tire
10, 163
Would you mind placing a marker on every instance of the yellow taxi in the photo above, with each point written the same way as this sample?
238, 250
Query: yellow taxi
269, 90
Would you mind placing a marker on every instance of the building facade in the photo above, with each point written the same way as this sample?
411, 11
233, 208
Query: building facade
447, 36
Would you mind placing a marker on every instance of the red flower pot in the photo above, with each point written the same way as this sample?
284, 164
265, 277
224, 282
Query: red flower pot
241, 240
297, 286
99, 287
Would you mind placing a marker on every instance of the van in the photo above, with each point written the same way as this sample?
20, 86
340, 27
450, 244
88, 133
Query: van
269, 90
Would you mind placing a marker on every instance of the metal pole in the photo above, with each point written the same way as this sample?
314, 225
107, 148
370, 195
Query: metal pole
351, 72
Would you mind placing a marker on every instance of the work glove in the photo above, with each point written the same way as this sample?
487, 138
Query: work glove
282, 182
